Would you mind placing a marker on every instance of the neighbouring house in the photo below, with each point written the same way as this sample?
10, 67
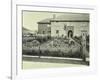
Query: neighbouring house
28, 35
68, 25
27, 32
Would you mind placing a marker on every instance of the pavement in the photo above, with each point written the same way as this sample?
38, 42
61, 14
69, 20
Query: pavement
34, 62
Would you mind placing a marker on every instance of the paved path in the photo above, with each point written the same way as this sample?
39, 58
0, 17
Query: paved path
36, 62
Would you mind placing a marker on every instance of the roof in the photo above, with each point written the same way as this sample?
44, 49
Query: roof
68, 17
72, 16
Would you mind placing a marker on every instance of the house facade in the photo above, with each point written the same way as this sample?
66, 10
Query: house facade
68, 25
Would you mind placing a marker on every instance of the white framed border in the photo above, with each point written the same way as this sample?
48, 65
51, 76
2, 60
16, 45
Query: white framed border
18, 73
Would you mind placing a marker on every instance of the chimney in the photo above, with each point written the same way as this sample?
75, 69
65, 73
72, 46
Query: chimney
54, 16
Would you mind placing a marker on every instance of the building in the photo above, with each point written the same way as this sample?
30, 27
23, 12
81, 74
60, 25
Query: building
68, 25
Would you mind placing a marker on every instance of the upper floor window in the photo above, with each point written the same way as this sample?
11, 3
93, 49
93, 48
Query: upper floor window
49, 31
43, 32
57, 31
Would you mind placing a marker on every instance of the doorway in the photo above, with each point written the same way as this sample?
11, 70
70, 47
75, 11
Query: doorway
70, 33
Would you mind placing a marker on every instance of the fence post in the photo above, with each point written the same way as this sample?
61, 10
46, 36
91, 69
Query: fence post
39, 52
84, 47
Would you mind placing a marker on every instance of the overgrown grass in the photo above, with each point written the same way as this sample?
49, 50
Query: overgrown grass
60, 48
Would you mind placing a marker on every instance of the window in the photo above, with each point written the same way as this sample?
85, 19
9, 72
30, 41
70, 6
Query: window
49, 31
57, 31
43, 32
